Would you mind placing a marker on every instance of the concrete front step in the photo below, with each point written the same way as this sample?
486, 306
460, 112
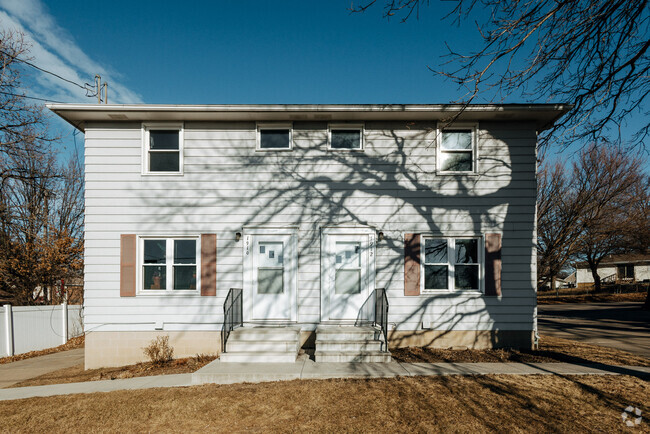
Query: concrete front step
345, 344
345, 333
258, 357
358, 346
352, 356
265, 334
262, 346
257, 344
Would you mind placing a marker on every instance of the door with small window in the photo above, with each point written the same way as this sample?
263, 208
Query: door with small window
348, 276
271, 274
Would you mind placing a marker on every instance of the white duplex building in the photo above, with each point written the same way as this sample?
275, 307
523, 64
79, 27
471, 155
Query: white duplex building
209, 222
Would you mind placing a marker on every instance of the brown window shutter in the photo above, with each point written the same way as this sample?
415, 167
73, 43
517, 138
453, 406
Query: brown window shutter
411, 264
209, 265
127, 265
493, 264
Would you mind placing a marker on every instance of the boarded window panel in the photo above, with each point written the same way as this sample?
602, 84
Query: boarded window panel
184, 277
435, 277
346, 139
209, 265
155, 277
164, 161
466, 277
456, 161
457, 139
411, 264
127, 265
493, 264
274, 139
163, 139
347, 282
435, 251
270, 281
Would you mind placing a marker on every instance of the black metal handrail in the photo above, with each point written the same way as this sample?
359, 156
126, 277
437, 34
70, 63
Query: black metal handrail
232, 315
381, 313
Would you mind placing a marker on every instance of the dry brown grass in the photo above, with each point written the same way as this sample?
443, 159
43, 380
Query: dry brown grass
76, 374
591, 298
421, 404
551, 349
72, 344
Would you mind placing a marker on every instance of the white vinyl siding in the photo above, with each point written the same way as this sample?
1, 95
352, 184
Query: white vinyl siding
392, 186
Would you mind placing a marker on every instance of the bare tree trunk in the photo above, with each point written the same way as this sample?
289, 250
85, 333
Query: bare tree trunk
596, 276
646, 305
554, 286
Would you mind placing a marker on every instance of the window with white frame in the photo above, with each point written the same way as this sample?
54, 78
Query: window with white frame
346, 137
457, 149
274, 137
169, 264
451, 264
163, 148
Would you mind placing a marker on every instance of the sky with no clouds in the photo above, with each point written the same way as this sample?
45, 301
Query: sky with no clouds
236, 52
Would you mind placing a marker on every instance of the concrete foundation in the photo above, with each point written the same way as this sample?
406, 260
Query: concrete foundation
461, 339
107, 349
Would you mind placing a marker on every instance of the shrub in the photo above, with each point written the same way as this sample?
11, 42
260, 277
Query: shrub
159, 351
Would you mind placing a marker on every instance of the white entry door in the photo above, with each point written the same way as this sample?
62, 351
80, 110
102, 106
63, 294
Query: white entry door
348, 277
270, 277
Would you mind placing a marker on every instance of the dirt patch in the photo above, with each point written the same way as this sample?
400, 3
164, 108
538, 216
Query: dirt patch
589, 298
551, 349
519, 404
77, 374
72, 344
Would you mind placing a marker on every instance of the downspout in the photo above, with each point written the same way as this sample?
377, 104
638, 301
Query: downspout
535, 330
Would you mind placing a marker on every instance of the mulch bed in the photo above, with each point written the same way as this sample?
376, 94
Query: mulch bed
550, 349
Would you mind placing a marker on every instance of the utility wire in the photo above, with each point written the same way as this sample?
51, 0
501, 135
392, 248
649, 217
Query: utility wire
31, 97
43, 70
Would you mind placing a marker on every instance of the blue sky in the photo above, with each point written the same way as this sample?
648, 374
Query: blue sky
234, 52
237, 52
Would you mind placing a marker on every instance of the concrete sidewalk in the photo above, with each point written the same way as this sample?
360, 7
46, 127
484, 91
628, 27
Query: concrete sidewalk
15, 372
228, 373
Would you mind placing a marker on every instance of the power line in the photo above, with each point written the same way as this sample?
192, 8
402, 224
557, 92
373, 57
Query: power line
31, 97
44, 70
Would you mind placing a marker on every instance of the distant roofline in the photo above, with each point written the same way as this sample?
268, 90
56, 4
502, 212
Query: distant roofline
79, 114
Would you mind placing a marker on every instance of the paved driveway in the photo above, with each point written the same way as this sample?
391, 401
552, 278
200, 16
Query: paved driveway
15, 372
619, 325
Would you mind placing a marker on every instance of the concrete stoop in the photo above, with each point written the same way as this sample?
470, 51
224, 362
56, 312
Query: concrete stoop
345, 344
262, 345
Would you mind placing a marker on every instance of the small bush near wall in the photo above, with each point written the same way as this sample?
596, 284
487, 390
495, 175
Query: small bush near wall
159, 351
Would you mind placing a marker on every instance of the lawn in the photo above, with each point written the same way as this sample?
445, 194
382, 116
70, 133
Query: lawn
415, 404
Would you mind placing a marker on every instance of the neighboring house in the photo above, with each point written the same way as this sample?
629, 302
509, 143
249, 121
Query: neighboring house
623, 268
309, 209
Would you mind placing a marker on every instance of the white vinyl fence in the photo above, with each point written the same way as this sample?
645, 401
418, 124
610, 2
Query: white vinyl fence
31, 328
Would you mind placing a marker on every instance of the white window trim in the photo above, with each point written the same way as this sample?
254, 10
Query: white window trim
273, 126
169, 264
352, 127
451, 254
457, 126
146, 127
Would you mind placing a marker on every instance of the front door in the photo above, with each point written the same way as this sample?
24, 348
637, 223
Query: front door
270, 275
348, 275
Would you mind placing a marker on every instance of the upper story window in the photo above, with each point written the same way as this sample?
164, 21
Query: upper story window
346, 137
274, 137
169, 264
457, 149
451, 264
163, 148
